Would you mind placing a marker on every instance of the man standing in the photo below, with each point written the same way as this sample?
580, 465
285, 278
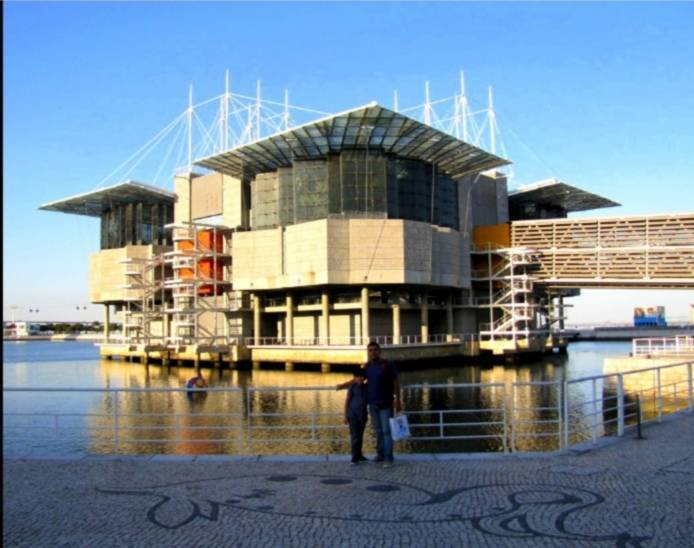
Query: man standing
383, 393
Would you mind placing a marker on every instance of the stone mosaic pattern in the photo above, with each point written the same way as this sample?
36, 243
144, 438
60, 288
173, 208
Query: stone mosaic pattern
628, 493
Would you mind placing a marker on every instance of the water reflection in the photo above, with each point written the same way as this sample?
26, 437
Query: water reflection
270, 416
265, 417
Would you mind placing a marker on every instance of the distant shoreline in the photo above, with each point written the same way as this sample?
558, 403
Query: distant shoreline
54, 338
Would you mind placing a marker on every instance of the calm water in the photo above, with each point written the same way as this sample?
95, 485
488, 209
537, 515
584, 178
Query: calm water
281, 420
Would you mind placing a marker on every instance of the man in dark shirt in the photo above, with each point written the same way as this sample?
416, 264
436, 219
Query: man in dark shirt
383, 395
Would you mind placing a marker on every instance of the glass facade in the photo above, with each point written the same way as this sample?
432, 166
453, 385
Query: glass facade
355, 183
136, 224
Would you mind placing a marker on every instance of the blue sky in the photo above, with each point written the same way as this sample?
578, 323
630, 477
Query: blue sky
600, 95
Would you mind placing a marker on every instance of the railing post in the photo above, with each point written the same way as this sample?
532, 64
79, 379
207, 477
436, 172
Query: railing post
595, 413
690, 387
659, 395
513, 418
565, 395
116, 421
620, 405
249, 393
504, 417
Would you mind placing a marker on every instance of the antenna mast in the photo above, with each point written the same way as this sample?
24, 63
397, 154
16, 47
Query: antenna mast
190, 129
492, 122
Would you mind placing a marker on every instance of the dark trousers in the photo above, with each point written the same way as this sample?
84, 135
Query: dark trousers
356, 434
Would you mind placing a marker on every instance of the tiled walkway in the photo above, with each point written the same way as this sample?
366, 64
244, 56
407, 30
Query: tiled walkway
625, 493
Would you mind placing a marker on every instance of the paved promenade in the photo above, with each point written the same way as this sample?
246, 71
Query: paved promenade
624, 493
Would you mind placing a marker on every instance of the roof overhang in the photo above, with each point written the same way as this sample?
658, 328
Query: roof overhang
367, 127
554, 192
97, 202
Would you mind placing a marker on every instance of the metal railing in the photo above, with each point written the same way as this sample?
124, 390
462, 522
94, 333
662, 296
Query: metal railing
681, 344
382, 340
509, 417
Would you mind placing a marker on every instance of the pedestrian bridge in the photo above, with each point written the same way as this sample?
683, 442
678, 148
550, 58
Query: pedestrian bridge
655, 251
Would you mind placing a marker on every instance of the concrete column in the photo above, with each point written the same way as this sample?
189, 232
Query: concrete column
166, 326
365, 314
123, 317
425, 317
107, 322
256, 365
325, 368
325, 318
256, 319
396, 318
289, 320
449, 318
561, 313
288, 366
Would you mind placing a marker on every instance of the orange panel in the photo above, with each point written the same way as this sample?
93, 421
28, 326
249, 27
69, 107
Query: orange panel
208, 240
184, 245
498, 235
206, 268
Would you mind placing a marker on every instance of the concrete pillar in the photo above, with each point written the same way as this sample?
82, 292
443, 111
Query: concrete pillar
256, 319
289, 366
166, 327
165, 359
289, 320
449, 318
183, 190
396, 318
325, 368
425, 317
123, 317
107, 322
561, 313
365, 314
325, 318
256, 366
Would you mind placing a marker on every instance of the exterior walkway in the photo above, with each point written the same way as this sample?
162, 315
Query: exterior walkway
626, 492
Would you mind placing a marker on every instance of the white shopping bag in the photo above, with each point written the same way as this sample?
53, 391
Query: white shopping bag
399, 427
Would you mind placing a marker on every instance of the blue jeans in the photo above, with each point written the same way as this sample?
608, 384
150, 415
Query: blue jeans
380, 418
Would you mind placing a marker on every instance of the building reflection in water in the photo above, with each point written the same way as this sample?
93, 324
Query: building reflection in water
286, 421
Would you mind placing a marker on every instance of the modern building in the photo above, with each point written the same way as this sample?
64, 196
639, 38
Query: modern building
366, 225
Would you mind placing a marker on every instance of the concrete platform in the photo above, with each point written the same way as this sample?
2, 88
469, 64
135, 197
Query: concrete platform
625, 492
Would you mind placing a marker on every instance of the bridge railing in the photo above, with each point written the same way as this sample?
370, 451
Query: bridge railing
673, 346
502, 417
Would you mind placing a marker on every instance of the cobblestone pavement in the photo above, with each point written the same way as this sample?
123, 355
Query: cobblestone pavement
625, 493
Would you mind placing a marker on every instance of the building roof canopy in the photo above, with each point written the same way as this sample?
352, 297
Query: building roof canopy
97, 202
370, 126
557, 193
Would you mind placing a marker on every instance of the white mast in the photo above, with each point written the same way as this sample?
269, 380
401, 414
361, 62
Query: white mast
225, 125
395, 100
190, 129
463, 106
427, 104
492, 122
257, 111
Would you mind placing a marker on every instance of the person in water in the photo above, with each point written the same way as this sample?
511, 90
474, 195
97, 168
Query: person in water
194, 386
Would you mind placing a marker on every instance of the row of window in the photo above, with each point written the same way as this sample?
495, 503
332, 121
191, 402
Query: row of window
136, 224
355, 184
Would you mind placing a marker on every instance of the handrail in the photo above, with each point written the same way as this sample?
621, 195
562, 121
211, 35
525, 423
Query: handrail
680, 344
567, 411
